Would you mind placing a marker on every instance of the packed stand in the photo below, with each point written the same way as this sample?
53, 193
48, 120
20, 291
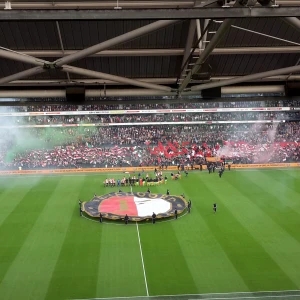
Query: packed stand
122, 146
152, 118
209, 104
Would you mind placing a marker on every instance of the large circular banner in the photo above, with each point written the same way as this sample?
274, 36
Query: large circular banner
138, 206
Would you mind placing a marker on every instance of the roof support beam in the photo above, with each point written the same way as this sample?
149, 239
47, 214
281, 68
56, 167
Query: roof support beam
131, 92
98, 4
61, 44
22, 57
97, 82
89, 82
111, 4
109, 53
246, 78
191, 33
207, 51
124, 80
256, 50
114, 41
83, 53
150, 14
144, 52
189, 42
23, 74
293, 21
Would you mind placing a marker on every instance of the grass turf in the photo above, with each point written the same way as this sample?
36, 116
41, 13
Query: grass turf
252, 244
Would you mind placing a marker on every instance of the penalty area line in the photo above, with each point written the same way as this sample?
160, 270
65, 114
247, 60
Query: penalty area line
141, 251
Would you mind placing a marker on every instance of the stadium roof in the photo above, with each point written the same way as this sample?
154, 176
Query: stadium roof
120, 48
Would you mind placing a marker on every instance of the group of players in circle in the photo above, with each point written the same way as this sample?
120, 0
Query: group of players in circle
130, 181
154, 216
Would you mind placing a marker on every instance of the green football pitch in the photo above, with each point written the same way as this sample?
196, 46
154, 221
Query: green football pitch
249, 249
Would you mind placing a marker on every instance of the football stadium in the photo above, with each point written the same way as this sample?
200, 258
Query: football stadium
150, 150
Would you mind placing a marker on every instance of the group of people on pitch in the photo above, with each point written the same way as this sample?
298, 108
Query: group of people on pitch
154, 216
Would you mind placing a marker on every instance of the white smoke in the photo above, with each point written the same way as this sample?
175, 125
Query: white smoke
14, 140
261, 136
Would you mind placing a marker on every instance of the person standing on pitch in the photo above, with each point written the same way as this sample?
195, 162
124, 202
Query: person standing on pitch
175, 213
126, 219
80, 209
215, 207
168, 192
189, 205
220, 173
153, 218
100, 218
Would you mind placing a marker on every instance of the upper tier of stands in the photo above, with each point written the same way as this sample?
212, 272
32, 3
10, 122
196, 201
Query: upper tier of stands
139, 119
239, 104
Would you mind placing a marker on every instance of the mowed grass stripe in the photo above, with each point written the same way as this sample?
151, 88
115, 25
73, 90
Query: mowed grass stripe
11, 193
268, 234
165, 263
120, 271
18, 218
278, 209
199, 266
289, 183
6, 185
281, 185
257, 268
209, 264
293, 173
75, 273
29, 275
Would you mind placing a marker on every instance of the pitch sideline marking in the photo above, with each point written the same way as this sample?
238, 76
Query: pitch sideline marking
252, 297
232, 293
141, 251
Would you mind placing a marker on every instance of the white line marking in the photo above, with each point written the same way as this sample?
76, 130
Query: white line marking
141, 251
284, 294
253, 297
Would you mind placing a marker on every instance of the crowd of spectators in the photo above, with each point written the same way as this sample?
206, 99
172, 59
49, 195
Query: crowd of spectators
210, 104
139, 118
149, 145
111, 146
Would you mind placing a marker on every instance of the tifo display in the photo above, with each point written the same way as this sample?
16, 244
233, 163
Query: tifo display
137, 206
